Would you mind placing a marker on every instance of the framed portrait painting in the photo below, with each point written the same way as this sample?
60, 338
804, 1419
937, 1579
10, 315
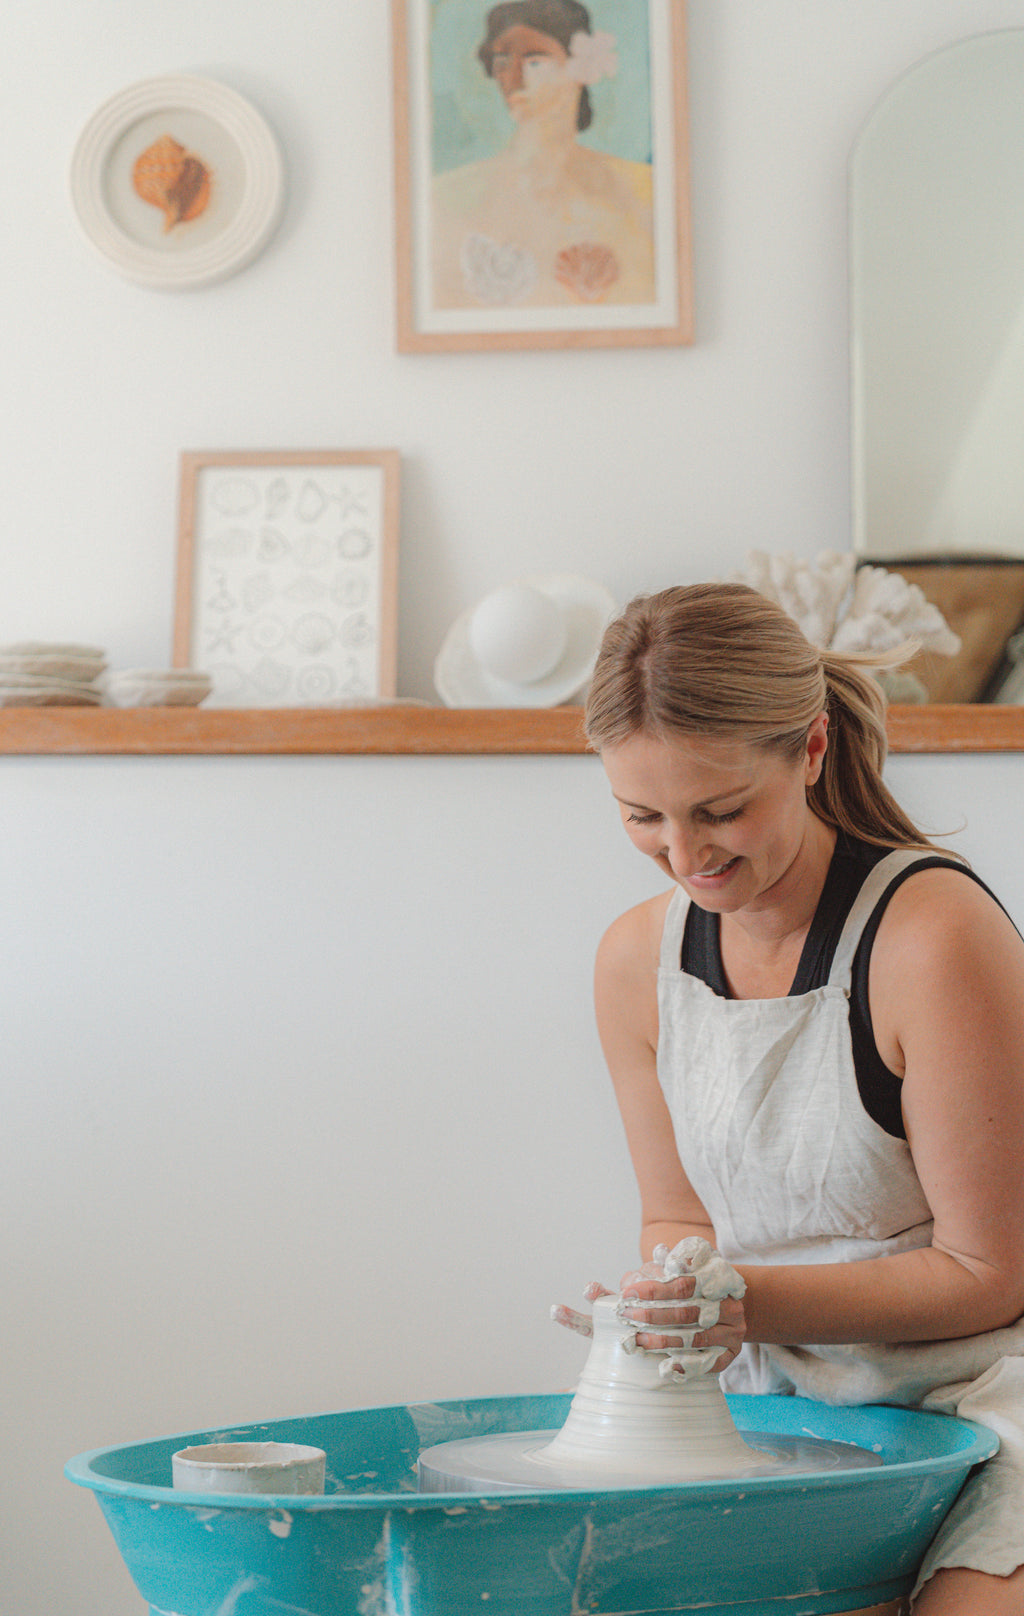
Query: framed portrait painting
287, 574
542, 177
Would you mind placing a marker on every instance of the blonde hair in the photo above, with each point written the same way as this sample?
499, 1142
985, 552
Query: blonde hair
723, 661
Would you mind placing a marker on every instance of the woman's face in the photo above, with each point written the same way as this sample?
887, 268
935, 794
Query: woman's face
530, 69
728, 822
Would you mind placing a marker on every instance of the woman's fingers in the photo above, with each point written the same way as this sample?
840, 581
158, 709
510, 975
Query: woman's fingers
596, 1289
568, 1316
582, 1323
686, 1315
727, 1332
641, 1287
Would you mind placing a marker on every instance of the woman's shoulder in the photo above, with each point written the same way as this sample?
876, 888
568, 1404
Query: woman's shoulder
633, 940
946, 982
626, 981
939, 912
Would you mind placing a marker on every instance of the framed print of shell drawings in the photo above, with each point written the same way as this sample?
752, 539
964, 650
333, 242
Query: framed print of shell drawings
542, 178
287, 573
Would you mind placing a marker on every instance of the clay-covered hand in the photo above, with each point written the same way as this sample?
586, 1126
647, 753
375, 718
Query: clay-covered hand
692, 1300
580, 1322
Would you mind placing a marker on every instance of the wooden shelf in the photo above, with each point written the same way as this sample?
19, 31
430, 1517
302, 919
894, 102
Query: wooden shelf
956, 729
198, 731
413, 729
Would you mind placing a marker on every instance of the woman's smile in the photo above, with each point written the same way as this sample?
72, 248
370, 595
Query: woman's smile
716, 875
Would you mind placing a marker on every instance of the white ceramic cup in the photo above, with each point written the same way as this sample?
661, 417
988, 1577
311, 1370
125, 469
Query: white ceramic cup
249, 1467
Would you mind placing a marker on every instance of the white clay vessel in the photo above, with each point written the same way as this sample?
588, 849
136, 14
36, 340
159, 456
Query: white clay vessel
631, 1419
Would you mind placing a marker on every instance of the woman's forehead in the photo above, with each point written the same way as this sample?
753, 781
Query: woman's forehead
688, 762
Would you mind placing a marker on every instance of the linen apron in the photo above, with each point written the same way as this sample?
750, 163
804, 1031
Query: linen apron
773, 1135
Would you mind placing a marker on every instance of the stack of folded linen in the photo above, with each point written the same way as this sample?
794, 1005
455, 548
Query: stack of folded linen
34, 673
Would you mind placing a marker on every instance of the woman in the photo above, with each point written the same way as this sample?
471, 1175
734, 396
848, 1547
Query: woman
817, 1047
547, 221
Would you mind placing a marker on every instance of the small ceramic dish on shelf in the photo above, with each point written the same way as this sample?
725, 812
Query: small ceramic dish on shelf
157, 687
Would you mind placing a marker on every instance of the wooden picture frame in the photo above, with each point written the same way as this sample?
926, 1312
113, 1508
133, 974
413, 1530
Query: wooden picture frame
287, 575
485, 259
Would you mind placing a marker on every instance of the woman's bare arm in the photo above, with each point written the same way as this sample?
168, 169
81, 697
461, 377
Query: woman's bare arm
626, 999
626, 1002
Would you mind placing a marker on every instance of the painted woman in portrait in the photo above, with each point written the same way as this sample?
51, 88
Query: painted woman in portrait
548, 221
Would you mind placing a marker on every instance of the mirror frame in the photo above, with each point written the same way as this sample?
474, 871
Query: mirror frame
980, 727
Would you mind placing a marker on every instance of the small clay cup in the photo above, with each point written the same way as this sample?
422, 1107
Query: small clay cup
249, 1467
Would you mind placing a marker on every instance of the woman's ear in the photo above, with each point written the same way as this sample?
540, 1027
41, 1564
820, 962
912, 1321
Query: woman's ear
816, 745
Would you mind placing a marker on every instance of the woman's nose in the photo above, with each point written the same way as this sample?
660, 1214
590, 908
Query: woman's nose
685, 851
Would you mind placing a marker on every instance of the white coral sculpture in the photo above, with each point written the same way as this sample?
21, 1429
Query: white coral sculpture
843, 608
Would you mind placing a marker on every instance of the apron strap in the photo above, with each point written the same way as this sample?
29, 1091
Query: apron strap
672, 931
840, 974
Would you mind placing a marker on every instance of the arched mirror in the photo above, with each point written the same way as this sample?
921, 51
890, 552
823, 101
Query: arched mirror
937, 308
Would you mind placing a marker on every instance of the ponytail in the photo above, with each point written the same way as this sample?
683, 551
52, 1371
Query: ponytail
850, 793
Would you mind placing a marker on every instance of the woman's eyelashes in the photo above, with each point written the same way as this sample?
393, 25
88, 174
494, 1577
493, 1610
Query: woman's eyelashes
703, 814
720, 819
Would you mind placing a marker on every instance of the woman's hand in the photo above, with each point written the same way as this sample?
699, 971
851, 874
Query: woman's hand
691, 1294
692, 1297
695, 1314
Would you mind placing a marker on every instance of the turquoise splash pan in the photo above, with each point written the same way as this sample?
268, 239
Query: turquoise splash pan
788, 1545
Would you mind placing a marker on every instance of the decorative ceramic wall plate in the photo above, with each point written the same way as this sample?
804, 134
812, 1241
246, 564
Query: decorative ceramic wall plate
177, 182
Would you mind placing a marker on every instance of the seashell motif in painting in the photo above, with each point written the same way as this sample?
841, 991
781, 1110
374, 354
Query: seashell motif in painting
312, 633
588, 269
497, 273
172, 179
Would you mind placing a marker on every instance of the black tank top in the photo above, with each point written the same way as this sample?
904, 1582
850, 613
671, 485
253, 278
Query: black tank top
852, 860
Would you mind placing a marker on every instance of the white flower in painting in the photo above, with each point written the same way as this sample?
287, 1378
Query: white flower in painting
592, 57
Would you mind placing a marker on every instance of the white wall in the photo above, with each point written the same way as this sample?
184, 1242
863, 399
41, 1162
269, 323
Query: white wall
302, 1106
